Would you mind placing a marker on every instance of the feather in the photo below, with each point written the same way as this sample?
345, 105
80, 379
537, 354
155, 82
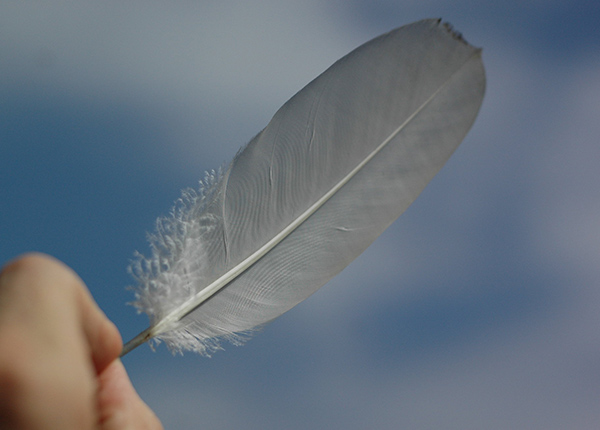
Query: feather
337, 164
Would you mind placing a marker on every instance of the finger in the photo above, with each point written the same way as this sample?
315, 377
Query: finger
102, 335
119, 405
40, 292
45, 365
37, 293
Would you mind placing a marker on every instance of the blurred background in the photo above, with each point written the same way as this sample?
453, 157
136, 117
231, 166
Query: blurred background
477, 309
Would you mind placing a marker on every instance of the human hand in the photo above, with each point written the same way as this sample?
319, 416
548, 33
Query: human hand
59, 366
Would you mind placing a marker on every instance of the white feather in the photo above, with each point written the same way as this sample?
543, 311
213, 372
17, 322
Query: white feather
337, 164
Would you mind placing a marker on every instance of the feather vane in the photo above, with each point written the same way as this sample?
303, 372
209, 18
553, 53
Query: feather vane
337, 164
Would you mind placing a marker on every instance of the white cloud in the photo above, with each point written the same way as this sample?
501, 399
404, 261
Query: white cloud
230, 52
566, 200
210, 73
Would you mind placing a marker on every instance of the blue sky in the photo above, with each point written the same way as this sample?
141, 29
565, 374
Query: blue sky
478, 308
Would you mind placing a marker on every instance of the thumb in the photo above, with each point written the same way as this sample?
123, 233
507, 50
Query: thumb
119, 406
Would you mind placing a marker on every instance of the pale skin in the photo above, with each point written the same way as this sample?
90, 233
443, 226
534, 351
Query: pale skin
59, 366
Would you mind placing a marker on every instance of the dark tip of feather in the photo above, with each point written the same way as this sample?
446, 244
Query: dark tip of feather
450, 29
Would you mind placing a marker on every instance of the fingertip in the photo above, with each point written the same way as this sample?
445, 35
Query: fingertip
33, 265
106, 345
102, 336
